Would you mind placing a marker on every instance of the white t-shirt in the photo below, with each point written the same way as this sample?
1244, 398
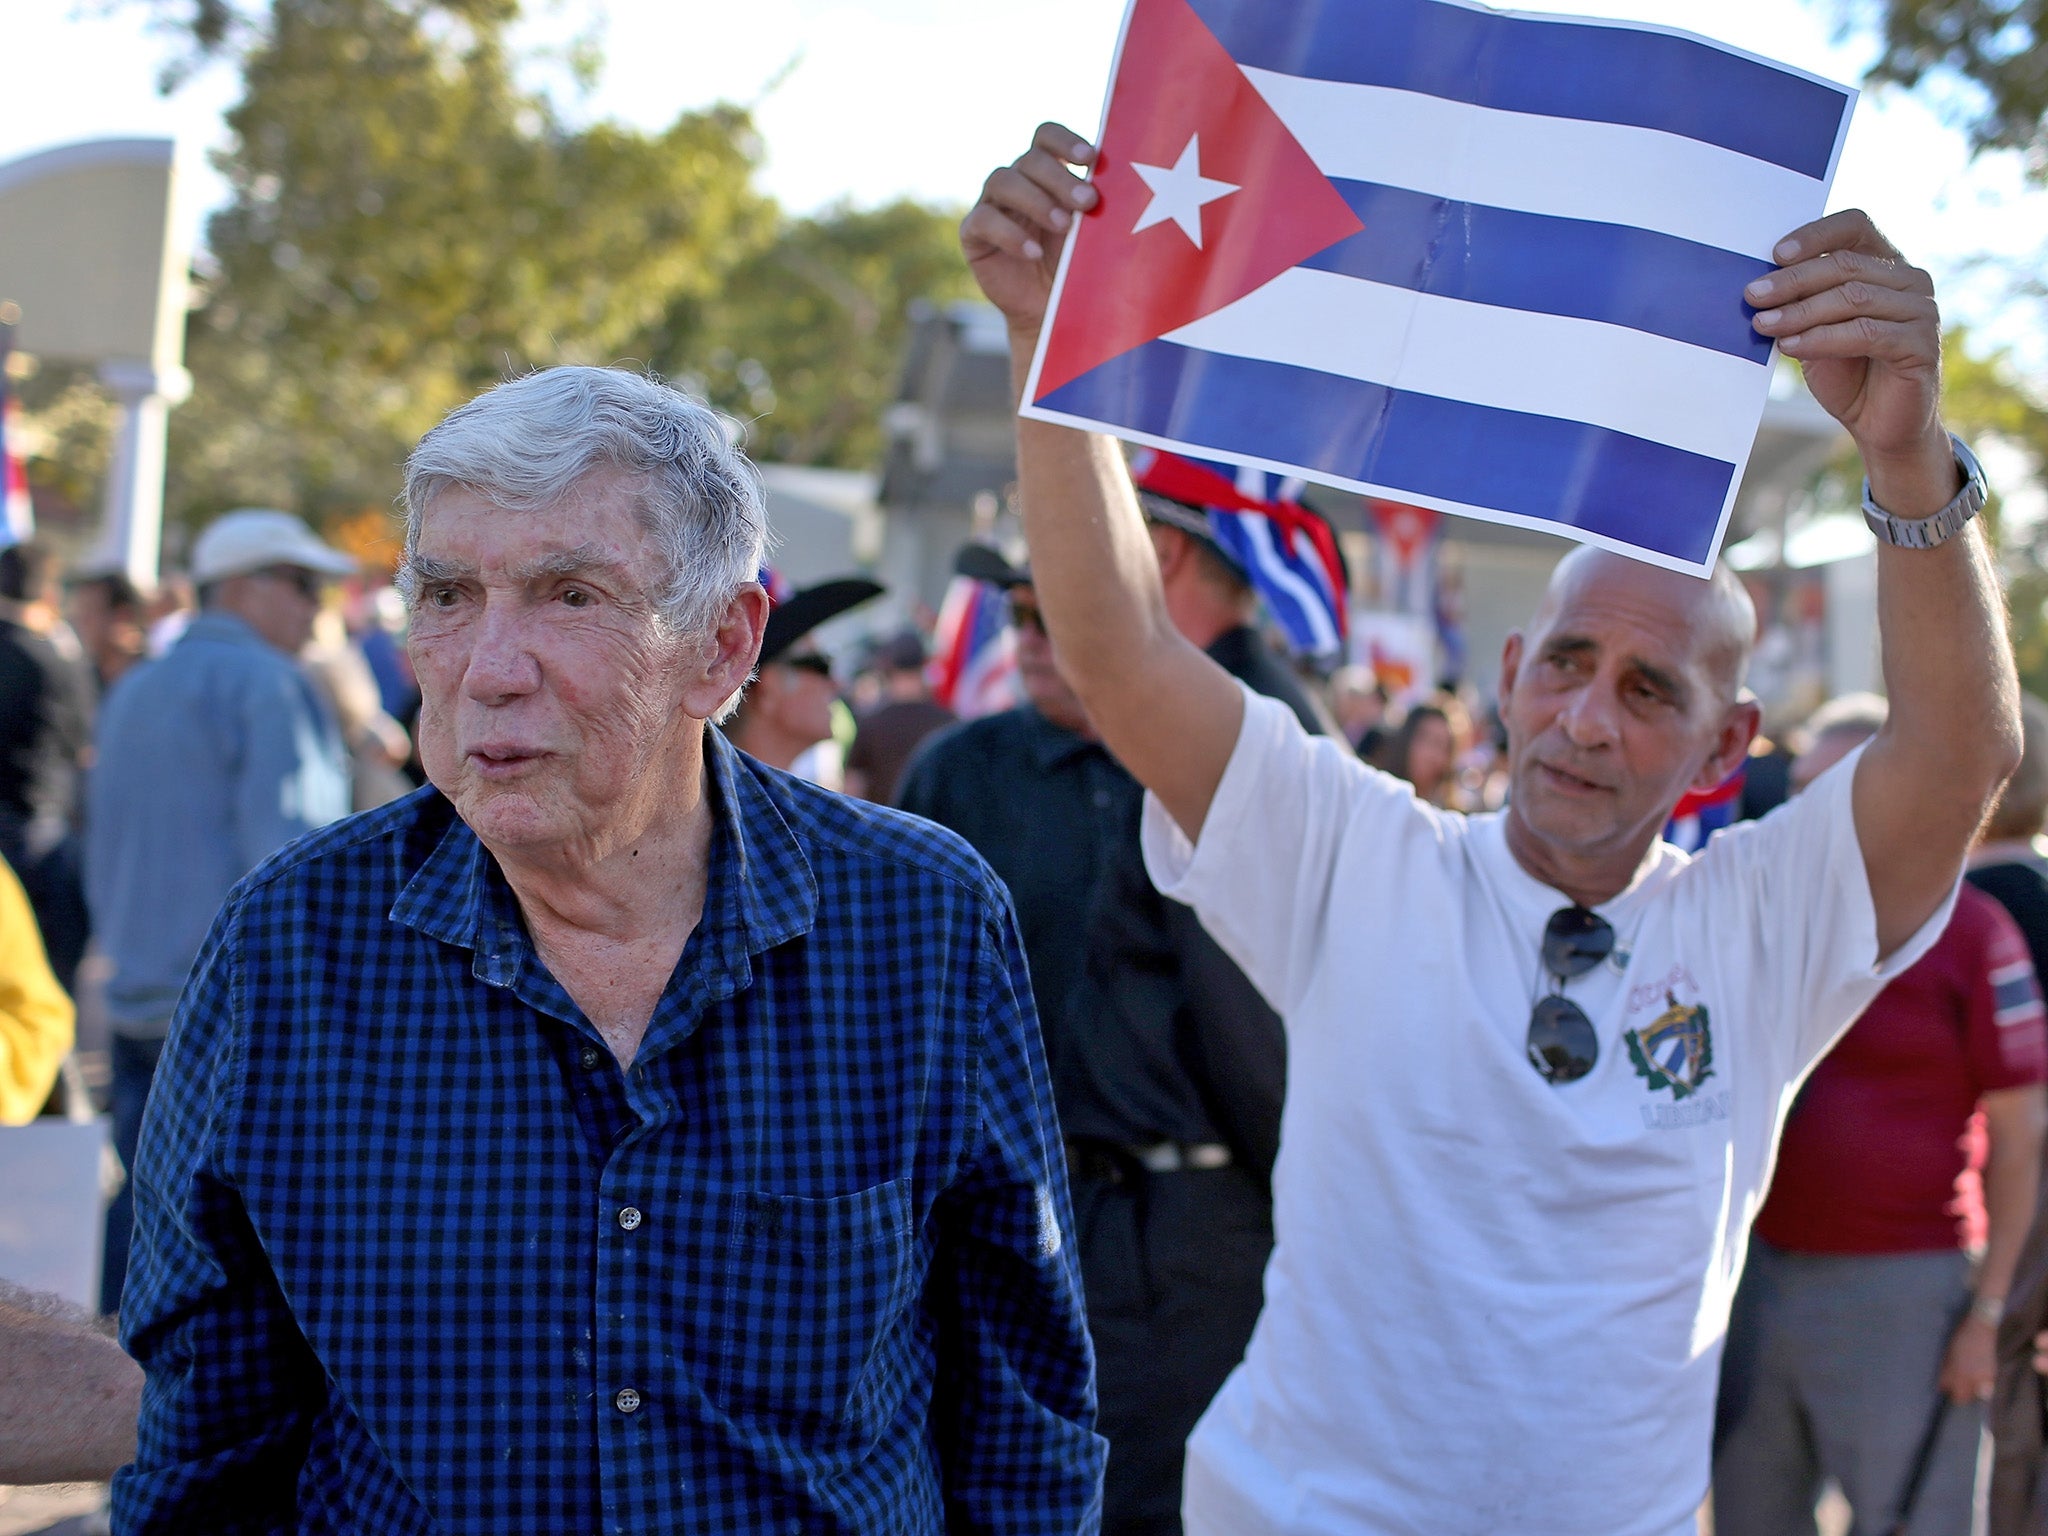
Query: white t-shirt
1496, 1305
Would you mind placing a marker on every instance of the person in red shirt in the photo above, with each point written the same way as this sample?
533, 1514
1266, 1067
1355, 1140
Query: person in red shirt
1862, 1341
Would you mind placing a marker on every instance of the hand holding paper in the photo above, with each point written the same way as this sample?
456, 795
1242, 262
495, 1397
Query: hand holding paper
1863, 322
1012, 238
1472, 260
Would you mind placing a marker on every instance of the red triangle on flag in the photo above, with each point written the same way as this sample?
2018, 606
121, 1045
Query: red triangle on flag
1180, 102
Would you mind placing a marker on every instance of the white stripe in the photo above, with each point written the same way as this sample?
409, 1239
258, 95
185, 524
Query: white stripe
2011, 971
1670, 392
1260, 531
1645, 177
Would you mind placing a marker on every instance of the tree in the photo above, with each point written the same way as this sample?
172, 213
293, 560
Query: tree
1983, 396
408, 224
808, 333
1996, 51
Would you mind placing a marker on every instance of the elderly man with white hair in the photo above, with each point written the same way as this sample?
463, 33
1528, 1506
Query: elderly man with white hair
558, 1148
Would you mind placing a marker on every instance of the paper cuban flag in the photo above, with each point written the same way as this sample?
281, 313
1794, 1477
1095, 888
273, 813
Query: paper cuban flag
1479, 261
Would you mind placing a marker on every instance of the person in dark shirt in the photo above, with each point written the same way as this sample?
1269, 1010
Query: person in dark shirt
111, 619
1036, 795
2007, 865
890, 734
46, 709
1168, 1068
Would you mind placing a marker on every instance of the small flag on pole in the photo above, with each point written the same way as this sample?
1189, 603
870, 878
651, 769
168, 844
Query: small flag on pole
974, 665
1702, 813
17, 510
1478, 261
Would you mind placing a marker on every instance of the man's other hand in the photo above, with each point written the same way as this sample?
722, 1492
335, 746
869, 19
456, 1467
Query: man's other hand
1863, 322
1970, 1369
1012, 236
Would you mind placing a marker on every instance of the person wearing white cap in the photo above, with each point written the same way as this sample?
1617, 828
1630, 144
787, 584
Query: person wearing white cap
209, 760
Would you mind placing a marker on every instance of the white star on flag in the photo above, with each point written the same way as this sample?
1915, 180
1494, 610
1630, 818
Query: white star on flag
1179, 192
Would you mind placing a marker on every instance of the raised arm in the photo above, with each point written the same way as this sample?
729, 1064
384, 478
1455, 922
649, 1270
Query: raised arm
1864, 323
1167, 711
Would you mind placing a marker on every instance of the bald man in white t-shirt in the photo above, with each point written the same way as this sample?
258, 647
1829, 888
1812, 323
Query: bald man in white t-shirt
1538, 1060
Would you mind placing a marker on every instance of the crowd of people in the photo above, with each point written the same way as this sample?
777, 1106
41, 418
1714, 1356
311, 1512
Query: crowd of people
1203, 1097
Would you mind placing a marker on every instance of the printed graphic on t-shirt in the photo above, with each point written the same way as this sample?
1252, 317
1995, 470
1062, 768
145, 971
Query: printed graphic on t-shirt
1674, 1050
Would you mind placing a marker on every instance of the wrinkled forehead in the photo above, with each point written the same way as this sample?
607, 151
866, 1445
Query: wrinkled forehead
1667, 617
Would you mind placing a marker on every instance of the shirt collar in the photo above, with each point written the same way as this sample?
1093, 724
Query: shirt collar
1053, 745
761, 890
219, 624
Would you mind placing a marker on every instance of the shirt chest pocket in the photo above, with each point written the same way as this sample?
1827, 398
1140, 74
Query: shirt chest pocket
814, 1292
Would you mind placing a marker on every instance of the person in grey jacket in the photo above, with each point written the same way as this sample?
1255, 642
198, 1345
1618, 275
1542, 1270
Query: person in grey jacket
209, 761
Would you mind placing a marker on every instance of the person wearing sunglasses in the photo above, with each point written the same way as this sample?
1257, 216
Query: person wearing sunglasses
209, 760
1537, 1060
787, 710
1168, 1067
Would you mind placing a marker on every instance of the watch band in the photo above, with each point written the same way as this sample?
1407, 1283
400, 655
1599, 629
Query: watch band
1938, 527
1988, 1309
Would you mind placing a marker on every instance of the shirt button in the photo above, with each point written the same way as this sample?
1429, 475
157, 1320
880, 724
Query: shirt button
589, 1058
630, 1217
628, 1401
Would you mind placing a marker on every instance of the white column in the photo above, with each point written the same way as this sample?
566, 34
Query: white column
131, 533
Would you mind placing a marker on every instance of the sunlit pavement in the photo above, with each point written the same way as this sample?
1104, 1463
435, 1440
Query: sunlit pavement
61, 1509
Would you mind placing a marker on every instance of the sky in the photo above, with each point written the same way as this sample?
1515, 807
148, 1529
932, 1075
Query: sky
868, 100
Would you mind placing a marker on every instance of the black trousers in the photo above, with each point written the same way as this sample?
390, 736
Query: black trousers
45, 856
1173, 1264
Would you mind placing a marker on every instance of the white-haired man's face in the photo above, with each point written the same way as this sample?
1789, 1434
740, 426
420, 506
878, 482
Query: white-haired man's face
558, 712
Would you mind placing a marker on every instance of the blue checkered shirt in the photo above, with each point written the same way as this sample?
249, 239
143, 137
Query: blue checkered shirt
413, 1254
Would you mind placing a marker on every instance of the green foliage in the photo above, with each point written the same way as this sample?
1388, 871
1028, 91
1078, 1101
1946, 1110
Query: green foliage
808, 333
1997, 50
1983, 396
408, 224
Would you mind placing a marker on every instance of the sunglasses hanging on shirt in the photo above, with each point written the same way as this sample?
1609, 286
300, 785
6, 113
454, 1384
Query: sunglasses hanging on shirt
1562, 1045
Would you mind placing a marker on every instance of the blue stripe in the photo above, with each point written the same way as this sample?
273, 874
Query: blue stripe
1641, 493
2020, 992
1593, 73
1609, 272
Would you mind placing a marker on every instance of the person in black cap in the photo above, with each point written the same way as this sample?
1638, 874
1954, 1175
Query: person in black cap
788, 710
1168, 1068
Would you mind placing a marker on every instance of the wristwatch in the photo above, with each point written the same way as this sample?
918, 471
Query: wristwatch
1938, 527
1988, 1309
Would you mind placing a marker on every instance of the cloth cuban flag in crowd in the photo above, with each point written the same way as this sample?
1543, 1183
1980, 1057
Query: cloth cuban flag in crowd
1258, 519
17, 511
1481, 261
973, 669
1702, 813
